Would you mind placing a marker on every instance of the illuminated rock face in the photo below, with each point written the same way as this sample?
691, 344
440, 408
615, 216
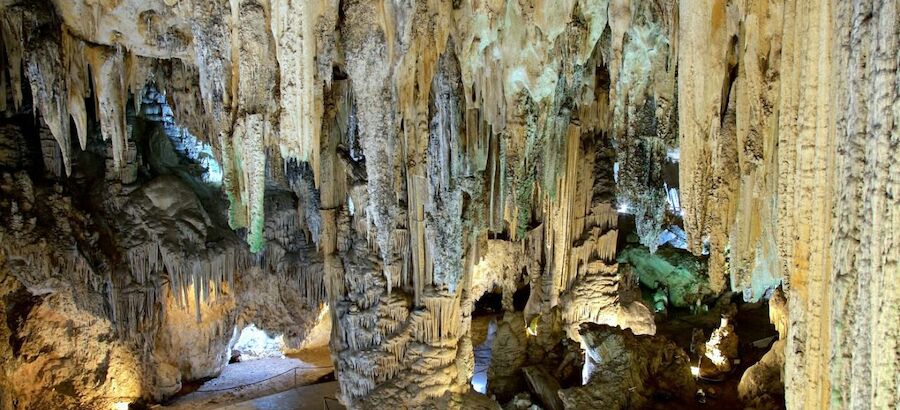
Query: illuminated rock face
621, 370
786, 112
763, 383
118, 292
398, 159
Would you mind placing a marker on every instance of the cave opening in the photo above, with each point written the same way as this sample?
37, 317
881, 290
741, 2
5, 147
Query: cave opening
521, 296
261, 363
491, 303
486, 326
254, 344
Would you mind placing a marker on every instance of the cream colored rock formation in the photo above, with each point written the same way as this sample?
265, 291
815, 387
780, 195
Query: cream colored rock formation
720, 351
126, 292
396, 160
786, 116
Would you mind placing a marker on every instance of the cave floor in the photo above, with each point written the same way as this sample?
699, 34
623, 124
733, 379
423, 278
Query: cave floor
253, 379
315, 397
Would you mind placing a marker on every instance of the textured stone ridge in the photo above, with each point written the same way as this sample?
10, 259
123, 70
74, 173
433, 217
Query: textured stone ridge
788, 139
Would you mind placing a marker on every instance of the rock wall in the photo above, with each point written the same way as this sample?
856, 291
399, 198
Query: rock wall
119, 286
786, 109
864, 344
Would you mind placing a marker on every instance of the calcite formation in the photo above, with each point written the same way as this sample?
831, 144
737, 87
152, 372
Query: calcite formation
673, 272
141, 283
783, 190
763, 383
720, 351
174, 170
622, 370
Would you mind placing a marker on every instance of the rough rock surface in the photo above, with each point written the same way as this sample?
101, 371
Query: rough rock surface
677, 274
146, 300
623, 370
508, 357
720, 351
786, 113
762, 384
544, 386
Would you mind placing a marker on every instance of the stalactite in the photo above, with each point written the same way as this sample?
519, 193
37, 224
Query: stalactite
213, 48
188, 277
367, 42
108, 70
14, 44
443, 204
796, 70
397, 160
76, 83
642, 98
293, 26
700, 86
500, 267
45, 75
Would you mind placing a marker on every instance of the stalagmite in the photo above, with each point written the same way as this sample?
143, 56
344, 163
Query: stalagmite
641, 362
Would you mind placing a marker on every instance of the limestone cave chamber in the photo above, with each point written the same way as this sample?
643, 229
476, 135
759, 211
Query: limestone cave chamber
449, 204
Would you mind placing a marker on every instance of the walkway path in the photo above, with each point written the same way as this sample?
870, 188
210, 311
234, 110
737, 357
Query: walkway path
256, 378
315, 397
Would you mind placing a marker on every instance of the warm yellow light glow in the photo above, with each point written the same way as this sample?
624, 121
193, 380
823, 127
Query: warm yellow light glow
322, 313
122, 405
532, 328
715, 355
695, 371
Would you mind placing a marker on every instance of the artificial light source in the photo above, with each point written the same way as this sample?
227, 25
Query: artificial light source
695, 371
122, 405
532, 328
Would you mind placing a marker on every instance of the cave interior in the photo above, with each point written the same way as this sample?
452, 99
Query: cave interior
436, 204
